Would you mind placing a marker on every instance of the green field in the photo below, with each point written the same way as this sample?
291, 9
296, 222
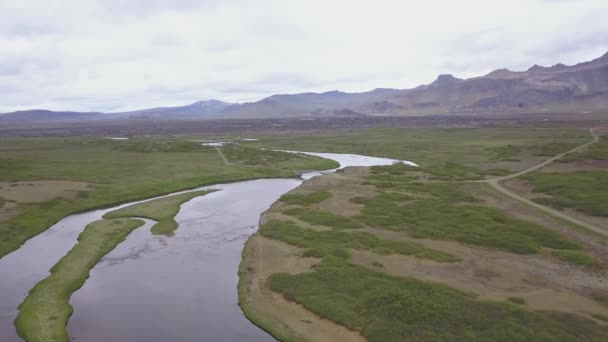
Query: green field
406, 200
311, 198
121, 171
44, 314
386, 308
577, 258
598, 151
334, 243
435, 201
323, 218
267, 158
162, 210
578, 181
586, 191
428, 146
461, 217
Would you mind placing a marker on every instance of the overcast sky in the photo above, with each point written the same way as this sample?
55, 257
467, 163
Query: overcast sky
114, 55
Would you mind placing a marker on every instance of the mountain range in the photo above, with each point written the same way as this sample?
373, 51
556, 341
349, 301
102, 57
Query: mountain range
581, 87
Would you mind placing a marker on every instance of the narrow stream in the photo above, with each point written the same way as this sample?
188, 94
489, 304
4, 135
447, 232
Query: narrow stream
153, 288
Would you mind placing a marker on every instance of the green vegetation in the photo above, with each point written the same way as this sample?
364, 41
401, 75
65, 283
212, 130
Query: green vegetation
505, 153
600, 296
586, 191
597, 151
433, 201
451, 171
158, 209
332, 243
119, 172
386, 308
426, 146
164, 227
552, 149
162, 210
417, 212
600, 317
577, 258
149, 145
323, 218
448, 171
311, 198
269, 158
496, 172
517, 300
45, 312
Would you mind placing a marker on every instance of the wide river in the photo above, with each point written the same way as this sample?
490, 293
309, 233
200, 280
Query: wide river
155, 288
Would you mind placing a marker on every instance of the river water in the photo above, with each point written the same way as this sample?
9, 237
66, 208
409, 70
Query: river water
155, 288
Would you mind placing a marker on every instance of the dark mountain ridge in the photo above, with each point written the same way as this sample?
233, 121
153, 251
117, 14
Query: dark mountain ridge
580, 87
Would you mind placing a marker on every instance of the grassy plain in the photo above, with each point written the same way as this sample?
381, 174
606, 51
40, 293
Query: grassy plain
363, 281
460, 218
118, 172
334, 243
268, 158
597, 151
427, 146
418, 204
44, 314
310, 198
162, 210
323, 218
387, 308
586, 191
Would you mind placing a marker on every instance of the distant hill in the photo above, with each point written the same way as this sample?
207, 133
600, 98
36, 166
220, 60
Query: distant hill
581, 87
41, 116
197, 110
304, 104
193, 111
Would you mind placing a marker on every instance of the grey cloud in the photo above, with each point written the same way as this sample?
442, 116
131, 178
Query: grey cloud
117, 54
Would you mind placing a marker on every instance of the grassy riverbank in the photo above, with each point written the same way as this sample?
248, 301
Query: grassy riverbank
396, 253
44, 314
162, 210
109, 172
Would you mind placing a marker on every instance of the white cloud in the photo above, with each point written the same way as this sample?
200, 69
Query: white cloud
126, 54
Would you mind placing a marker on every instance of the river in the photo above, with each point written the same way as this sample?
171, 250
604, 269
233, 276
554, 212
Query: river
155, 288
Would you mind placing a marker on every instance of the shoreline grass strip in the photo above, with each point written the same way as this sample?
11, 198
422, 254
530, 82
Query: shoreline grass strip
45, 312
162, 210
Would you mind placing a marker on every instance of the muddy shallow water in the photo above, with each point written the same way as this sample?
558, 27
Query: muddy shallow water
153, 288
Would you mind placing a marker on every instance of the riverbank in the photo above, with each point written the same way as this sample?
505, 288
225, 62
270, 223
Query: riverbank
162, 210
291, 292
120, 172
45, 312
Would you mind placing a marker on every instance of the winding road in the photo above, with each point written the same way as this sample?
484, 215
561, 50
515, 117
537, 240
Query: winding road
495, 183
